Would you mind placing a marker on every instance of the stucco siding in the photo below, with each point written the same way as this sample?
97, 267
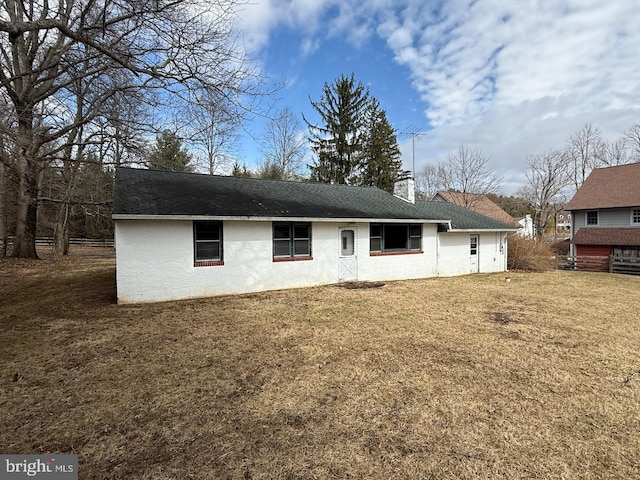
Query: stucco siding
493, 252
155, 259
399, 266
455, 257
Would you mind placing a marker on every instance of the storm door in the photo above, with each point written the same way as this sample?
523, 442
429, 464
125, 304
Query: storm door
347, 262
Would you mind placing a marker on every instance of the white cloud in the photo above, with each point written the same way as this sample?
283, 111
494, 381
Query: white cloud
309, 46
518, 81
515, 78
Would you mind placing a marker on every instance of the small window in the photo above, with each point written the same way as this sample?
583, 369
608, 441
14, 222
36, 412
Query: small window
592, 217
473, 245
395, 237
415, 237
207, 241
291, 240
635, 216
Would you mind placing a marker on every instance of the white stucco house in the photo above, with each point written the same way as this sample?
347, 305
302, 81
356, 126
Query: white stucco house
181, 235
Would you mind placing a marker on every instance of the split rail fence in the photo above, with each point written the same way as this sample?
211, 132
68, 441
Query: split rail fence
79, 242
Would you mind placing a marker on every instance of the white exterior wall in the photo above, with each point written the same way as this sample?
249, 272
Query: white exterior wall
454, 257
398, 266
155, 259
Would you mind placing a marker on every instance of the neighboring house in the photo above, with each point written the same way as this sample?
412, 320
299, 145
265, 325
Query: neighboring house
526, 227
563, 221
605, 213
182, 235
478, 203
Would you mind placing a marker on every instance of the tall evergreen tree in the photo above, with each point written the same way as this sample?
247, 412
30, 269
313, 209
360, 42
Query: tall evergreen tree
168, 154
241, 171
338, 141
380, 162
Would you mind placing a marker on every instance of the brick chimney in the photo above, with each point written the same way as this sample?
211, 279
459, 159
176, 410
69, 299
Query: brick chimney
405, 189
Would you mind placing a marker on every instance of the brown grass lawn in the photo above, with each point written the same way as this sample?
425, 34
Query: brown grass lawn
465, 377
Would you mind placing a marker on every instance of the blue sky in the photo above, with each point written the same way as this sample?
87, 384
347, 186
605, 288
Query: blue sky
511, 78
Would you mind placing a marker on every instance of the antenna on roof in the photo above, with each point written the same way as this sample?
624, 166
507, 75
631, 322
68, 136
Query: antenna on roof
414, 132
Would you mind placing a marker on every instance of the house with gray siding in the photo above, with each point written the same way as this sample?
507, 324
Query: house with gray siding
605, 214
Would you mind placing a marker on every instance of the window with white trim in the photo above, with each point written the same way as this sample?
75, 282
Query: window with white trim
395, 237
207, 239
592, 217
291, 239
635, 216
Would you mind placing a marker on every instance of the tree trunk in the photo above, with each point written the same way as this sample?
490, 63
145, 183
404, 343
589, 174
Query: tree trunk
24, 245
3, 209
61, 231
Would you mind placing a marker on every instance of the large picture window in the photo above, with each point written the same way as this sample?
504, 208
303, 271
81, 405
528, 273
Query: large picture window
207, 239
395, 237
291, 240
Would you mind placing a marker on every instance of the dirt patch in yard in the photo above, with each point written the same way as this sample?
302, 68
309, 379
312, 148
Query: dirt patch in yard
465, 377
360, 285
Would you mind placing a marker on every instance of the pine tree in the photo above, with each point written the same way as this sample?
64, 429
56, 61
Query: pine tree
168, 154
380, 163
338, 141
241, 171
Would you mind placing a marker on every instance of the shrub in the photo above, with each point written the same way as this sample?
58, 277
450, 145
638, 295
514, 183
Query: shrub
529, 255
561, 247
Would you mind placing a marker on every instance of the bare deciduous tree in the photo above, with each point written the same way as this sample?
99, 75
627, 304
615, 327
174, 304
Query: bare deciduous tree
214, 125
465, 170
427, 184
283, 145
584, 149
632, 139
165, 48
548, 176
614, 152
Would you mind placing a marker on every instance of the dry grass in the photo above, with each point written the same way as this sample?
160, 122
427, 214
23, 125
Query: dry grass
468, 377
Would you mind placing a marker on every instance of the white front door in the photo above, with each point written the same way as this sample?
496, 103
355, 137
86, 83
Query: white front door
347, 262
474, 248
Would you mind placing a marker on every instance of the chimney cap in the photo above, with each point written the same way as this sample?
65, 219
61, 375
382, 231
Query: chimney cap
405, 175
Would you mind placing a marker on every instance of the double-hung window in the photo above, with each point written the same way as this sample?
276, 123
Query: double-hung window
207, 239
635, 216
291, 240
592, 217
395, 237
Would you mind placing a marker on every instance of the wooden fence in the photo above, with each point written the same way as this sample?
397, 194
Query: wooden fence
611, 264
78, 242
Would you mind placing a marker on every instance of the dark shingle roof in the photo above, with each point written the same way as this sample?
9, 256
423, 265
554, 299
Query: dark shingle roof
607, 236
158, 192
609, 188
462, 218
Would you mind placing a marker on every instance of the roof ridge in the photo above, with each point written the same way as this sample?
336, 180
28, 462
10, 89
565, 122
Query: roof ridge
257, 179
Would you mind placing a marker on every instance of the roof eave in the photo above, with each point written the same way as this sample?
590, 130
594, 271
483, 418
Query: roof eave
128, 216
471, 230
599, 207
